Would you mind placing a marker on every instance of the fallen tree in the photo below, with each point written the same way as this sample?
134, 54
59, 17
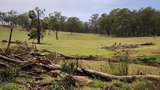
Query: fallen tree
126, 46
109, 77
10, 59
46, 65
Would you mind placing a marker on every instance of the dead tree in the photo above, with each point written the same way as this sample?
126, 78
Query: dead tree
10, 36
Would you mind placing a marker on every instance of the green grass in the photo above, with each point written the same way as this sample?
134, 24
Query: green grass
12, 86
83, 44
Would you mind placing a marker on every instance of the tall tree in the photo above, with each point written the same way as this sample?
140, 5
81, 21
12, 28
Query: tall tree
94, 23
36, 22
56, 22
73, 24
23, 21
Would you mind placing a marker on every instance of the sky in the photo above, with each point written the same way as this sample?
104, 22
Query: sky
82, 9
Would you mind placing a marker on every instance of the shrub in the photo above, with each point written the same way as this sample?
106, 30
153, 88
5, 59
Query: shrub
8, 75
120, 68
68, 67
97, 83
66, 83
147, 59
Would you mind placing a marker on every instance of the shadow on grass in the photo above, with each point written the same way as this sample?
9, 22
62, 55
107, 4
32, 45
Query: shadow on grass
41, 43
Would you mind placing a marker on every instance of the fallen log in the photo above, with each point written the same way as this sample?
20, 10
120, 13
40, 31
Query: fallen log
90, 57
147, 44
109, 77
10, 59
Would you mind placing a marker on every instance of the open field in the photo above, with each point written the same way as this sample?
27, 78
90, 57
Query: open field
84, 44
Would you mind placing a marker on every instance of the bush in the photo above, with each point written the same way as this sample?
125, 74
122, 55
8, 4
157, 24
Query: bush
120, 68
8, 75
68, 67
66, 83
97, 83
147, 59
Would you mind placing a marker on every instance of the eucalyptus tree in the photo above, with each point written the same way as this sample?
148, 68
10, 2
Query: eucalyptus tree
36, 23
94, 23
24, 21
73, 24
56, 22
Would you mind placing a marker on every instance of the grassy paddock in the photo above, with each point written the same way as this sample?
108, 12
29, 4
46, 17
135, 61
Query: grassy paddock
83, 44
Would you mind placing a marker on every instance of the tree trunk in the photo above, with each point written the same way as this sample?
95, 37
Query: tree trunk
10, 38
71, 33
56, 35
38, 30
108, 77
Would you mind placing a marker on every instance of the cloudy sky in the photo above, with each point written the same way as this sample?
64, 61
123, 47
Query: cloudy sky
82, 9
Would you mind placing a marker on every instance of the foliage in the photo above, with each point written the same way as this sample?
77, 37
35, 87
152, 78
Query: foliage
56, 22
73, 24
36, 23
34, 35
97, 83
8, 74
147, 59
68, 67
66, 83
24, 21
120, 68
119, 22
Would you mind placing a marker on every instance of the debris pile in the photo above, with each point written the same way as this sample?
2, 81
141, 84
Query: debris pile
33, 64
126, 46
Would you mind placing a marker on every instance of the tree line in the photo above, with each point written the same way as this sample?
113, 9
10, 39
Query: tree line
119, 22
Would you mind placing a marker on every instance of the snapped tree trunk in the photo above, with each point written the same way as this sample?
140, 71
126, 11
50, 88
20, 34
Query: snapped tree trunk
10, 38
38, 30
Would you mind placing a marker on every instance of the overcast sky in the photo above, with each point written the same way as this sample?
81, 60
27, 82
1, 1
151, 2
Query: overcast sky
82, 9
